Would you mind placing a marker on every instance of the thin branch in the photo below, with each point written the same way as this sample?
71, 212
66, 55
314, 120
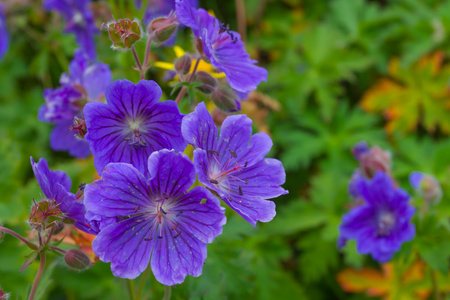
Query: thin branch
38, 275
184, 89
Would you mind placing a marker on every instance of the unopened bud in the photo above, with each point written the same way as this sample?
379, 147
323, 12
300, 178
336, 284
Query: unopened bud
183, 64
124, 33
44, 213
375, 160
360, 149
77, 260
58, 227
163, 28
209, 82
199, 47
224, 98
426, 186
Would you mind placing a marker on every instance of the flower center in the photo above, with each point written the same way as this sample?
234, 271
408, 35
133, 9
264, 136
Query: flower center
385, 223
135, 137
221, 174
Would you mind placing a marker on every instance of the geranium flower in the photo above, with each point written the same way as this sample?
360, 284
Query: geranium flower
383, 222
222, 47
160, 221
132, 125
234, 164
85, 83
4, 37
56, 186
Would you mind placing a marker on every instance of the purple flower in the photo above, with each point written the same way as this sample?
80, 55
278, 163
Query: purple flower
4, 37
159, 219
360, 149
56, 185
84, 83
79, 20
158, 8
383, 222
234, 164
222, 47
132, 125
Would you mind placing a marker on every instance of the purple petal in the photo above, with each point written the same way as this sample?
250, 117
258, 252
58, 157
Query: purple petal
47, 179
202, 215
127, 245
63, 139
95, 79
415, 179
4, 36
77, 66
122, 191
187, 15
198, 128
127, 99
174, 258
171, 174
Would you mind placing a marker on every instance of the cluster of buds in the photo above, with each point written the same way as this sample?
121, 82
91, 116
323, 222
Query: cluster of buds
46, 214
426, 186
124, 33
372, 159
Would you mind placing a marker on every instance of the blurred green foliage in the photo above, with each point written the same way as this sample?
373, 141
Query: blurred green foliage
322, 57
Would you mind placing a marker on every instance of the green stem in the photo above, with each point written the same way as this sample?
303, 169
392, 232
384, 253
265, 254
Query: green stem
437, 296
13, 233
147, 51
142, 282
38, 275
167, 292
130, 286
138, 63
184, 89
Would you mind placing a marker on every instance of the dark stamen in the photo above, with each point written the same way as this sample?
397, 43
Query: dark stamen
82, 186
165, 196
233, 153
159, 237
240, 191
214, 181
162, 210
245, 164
148, 240
246, 181
174, 226
213, 152
179, 213
137, 208
177, 235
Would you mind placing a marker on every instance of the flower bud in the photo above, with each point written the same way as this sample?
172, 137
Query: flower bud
183, 64
44, 213
209, 82
427, 186
163, 28
124, 33
224, 98
77, 260
375, 160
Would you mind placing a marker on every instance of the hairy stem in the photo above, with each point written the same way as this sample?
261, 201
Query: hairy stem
38, 275
167, 292
13, 233
184, 88
147, 50
138, 63
142, 282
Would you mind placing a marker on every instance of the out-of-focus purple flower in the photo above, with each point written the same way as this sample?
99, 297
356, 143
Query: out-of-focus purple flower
383, 222
353, 185
234, 164
159, 221
79, 21
56, 186
222, 47
4, 36
360, 149
85, 83
427, 186
159, 8
132, 125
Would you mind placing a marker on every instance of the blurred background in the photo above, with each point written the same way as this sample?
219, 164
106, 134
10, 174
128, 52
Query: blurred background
340, 72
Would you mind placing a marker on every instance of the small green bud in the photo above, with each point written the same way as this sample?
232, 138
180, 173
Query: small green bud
225, 99
163, 28
77, 260
209, 82
183, 64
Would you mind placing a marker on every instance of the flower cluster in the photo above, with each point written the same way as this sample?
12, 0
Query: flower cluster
380, 220
4, 37
64, 105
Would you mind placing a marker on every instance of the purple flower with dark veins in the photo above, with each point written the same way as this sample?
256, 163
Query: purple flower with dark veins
56, 186
132, 125
79, 20
159, 221
234, 164
4, 37
383, 222
64, 105
222, 47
